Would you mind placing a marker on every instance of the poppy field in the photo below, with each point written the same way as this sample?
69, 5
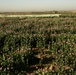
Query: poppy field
38, 46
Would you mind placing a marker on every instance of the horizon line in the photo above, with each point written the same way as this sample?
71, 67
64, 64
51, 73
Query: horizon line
42, 11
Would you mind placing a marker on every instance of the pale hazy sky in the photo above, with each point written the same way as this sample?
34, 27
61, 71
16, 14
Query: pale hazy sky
37, 5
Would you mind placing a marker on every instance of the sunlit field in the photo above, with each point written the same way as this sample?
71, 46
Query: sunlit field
34, 15
38, 44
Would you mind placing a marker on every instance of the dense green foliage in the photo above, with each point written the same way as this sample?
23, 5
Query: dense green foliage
48, 44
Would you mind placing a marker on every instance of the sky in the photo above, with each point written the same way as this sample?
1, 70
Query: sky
36, 5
